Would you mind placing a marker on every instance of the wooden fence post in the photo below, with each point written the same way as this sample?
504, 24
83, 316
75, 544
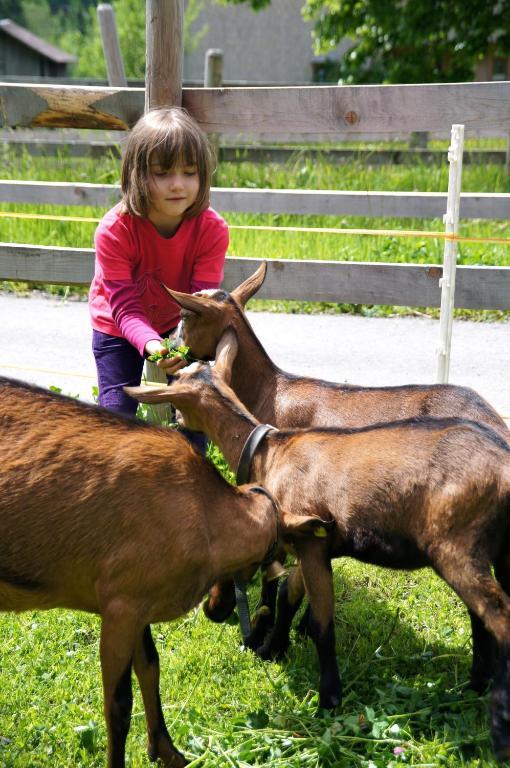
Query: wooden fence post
111, 47
213, 78
213, 69
164, 53
163, 88
447, 281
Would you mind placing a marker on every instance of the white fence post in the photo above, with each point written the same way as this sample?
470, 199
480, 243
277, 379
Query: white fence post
447, 282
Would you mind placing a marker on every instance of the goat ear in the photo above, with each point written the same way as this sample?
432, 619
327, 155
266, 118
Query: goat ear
226, 351
245, 291
146, 394
304, 525
197, 304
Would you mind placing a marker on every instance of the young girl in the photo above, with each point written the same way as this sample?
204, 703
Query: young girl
163, 232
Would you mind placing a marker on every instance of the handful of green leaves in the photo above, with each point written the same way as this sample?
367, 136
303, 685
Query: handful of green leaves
172, 349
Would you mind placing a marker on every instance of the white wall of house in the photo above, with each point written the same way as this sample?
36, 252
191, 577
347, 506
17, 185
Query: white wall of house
273, 45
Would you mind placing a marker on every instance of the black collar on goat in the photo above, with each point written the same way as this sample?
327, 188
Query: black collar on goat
249, 449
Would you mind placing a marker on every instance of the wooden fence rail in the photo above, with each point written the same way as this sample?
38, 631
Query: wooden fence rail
418, 205
329, 110
349, 282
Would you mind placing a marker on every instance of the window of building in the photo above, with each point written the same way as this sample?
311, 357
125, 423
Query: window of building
499, 69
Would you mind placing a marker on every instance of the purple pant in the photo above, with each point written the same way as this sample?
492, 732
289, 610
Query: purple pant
120, 365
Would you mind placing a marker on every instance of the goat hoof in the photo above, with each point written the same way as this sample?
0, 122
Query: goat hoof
257, 637
480, 687
264, 652
480, 684
272, 650
330, 699
169, 756
502, 754
330, 702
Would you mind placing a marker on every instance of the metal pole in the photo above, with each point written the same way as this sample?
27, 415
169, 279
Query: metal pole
447, 282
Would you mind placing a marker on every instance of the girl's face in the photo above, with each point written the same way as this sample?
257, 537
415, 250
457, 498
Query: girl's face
172, 191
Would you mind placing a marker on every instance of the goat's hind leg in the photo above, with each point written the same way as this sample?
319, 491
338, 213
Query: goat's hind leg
482, 667
146, 666
473, 582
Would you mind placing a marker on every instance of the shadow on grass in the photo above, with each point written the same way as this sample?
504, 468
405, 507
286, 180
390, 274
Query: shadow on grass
405, 690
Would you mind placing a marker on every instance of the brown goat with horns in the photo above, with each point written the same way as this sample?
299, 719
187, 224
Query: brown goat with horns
289, 401
112, 516
414, 493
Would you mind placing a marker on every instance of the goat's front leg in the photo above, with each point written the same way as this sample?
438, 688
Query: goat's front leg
118, 637
290, 596
146, 666
318, 579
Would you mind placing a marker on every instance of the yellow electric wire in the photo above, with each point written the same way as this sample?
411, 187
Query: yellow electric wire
311, 230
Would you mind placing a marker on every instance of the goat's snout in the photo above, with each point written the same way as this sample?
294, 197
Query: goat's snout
220, 602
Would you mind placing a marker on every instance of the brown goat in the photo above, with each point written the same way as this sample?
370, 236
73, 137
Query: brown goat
106, 514
407, 494
286, 400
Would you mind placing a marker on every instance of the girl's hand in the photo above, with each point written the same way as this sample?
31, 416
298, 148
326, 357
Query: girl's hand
155, 347
171, 364
167, 355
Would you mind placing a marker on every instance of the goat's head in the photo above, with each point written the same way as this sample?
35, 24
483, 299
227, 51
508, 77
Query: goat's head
191, 388
206, 314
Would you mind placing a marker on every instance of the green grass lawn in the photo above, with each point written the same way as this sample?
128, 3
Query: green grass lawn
403, 647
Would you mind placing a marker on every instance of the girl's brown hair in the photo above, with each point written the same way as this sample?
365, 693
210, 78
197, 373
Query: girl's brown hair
168, 136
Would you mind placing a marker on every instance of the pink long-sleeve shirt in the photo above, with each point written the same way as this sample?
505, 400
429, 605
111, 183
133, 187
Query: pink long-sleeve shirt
133, 262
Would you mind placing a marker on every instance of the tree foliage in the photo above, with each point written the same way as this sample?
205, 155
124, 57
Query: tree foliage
408, 41
73, 26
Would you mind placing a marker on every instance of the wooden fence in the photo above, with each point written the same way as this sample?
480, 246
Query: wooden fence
331, 110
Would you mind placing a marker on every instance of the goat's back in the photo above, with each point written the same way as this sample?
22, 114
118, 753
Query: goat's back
309, 402
290, 401
420, 479
84, 491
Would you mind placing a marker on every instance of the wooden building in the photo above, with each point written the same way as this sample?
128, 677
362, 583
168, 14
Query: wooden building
23, 53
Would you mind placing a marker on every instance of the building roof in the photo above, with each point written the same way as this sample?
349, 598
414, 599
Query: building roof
36, 43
